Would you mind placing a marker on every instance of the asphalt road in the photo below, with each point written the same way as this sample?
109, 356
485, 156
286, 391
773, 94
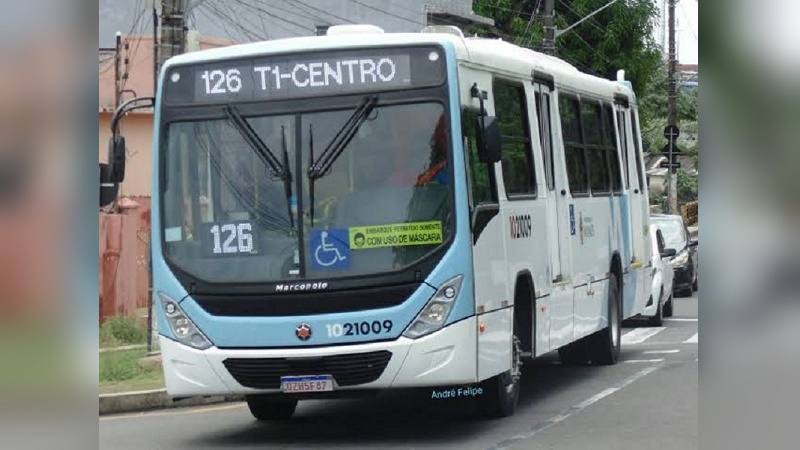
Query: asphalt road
648, 400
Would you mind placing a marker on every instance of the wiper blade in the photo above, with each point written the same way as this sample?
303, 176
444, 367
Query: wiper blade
277, 168
323, 164
252, 138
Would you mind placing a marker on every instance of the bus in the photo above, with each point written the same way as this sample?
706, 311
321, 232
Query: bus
364, 211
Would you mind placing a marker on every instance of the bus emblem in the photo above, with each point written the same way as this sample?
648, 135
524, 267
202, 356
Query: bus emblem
303, 332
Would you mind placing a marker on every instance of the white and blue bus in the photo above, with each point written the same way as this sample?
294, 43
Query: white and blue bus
369, 210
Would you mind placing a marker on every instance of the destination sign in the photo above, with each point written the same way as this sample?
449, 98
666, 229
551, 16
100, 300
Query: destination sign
305, 75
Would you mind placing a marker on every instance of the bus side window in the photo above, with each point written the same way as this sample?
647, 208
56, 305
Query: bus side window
637, 149
623, 138
543, 116
610, 144
511, 109
479, 176
596, 152
573, 146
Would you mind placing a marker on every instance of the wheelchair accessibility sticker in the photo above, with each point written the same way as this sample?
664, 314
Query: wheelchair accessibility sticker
330, 249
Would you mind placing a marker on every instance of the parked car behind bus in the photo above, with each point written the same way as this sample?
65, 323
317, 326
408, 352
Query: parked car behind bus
684, 263
660, 303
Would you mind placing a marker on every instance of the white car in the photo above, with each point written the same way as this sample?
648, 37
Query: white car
660, 303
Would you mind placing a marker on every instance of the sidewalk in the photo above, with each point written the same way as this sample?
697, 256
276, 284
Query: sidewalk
139, 401
151, 399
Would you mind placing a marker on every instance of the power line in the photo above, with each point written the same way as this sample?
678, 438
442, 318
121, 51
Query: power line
387, 13
534, 14
270, 14
322, 11
305, 15
591, 20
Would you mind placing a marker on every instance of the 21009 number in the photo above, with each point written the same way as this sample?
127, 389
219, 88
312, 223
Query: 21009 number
358, 328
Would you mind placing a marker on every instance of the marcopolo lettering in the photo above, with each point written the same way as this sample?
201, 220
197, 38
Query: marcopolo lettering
301, 287
521, 226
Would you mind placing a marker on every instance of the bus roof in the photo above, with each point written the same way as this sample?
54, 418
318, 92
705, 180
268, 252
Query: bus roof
499, 55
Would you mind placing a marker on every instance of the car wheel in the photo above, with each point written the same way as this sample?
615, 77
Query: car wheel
694, 284
658, 319
268, 407
668, 307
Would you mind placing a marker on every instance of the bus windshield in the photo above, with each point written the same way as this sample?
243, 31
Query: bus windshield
309, 195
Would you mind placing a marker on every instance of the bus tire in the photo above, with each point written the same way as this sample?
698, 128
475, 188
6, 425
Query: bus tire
605, 344
268, 407
501, 392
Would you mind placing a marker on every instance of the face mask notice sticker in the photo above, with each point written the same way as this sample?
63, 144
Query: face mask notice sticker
396, 235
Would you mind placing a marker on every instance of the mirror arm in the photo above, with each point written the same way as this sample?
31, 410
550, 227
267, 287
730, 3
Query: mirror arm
125, 108
481, 96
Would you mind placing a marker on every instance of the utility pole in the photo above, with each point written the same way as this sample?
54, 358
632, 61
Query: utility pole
173, 29
672, 120
117, 78
549, 43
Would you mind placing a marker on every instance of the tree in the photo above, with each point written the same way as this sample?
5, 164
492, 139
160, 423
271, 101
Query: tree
619, 37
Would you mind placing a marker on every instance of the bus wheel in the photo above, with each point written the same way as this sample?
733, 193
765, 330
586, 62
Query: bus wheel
605, 344
269, 407
501, 392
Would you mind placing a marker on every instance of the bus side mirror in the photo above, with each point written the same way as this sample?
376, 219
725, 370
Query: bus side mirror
116, 158
489, 142
668, 253
108, 189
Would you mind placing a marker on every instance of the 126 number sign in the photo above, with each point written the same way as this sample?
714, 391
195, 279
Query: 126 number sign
230, 239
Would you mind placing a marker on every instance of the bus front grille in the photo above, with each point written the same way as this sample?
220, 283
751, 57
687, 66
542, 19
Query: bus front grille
347, 370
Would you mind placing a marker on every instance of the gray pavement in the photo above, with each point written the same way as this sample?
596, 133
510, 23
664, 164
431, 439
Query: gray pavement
648, 400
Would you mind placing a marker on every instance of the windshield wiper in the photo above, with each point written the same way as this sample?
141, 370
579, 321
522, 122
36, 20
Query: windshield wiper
319, 168
278, 169
322, 166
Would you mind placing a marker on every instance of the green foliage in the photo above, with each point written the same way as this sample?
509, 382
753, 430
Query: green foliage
660, 200
687, 187
618, 37
121, 330
122, 365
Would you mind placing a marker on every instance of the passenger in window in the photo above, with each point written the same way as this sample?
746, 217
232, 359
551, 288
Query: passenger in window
437, 170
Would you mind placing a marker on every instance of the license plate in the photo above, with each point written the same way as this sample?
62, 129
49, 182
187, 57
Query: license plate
309, 383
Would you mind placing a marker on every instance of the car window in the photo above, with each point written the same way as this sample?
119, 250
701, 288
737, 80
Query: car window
673, 231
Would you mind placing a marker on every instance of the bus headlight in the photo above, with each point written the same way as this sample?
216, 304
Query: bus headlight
182, 327
435, 313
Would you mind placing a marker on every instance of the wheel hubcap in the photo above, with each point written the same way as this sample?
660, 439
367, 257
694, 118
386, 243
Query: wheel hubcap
516, 362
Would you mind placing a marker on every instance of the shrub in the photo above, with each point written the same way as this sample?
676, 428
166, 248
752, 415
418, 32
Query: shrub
120, 366
121, 330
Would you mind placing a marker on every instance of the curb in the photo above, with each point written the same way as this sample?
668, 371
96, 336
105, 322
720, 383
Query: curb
140, 401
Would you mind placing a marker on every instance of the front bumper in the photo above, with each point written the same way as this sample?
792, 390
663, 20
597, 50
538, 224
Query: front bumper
682, 278
447, 357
